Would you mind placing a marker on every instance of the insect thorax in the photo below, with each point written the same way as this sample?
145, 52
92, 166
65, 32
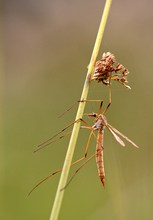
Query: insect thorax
101, 122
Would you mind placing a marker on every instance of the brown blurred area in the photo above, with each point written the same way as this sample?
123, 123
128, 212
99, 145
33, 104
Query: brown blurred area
45, 50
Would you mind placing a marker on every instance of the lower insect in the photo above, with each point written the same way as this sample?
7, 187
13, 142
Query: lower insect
97, 130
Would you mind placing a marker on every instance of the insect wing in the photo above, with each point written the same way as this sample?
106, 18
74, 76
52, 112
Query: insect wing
122, 135
117, 138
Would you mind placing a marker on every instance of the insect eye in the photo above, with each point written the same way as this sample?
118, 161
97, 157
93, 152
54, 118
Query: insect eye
94, 115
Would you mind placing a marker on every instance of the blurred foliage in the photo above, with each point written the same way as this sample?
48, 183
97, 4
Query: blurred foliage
47, 48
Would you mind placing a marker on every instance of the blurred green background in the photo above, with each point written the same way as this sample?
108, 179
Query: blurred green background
46, 48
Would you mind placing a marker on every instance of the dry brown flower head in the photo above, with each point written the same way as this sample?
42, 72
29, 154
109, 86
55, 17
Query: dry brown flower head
105, 71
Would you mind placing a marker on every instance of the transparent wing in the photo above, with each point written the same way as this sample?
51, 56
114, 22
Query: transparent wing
117, 138
122, 135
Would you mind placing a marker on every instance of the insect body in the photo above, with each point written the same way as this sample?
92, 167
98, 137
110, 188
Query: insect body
100, 124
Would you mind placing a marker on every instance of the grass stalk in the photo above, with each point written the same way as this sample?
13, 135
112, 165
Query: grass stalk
68, 159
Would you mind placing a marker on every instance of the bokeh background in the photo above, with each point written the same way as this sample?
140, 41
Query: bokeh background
45, 50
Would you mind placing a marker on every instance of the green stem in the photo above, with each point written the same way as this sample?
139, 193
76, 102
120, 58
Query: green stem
68, 159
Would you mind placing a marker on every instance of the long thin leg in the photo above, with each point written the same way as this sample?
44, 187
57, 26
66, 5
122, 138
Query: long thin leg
75, 104
43, 180
52, 174
110, 100
110, 91
110, 94
91, 100
101, 101
87, 147
50, 142
77, 171
105, 110
100, 108
68, 109
89, 139
58, 171
90, 129
45, 142
98, 100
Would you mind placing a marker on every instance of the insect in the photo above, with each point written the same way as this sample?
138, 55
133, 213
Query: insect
100, 123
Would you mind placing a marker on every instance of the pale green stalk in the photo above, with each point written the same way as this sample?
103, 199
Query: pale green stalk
68, 159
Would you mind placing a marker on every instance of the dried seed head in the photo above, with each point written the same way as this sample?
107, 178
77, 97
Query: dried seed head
105, 70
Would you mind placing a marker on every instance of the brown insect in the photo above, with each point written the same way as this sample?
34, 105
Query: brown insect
100, 123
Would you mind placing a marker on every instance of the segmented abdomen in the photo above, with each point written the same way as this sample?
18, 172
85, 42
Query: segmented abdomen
99, 156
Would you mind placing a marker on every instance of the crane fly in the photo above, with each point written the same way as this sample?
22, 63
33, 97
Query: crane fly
100, 123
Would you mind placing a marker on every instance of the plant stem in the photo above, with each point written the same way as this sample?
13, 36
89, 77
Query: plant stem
68, 159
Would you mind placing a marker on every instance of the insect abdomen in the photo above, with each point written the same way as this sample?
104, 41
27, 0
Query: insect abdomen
100, 158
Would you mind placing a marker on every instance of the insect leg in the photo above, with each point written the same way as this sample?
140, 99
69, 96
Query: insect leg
77, 172
75, 104
48, 140
52, 174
